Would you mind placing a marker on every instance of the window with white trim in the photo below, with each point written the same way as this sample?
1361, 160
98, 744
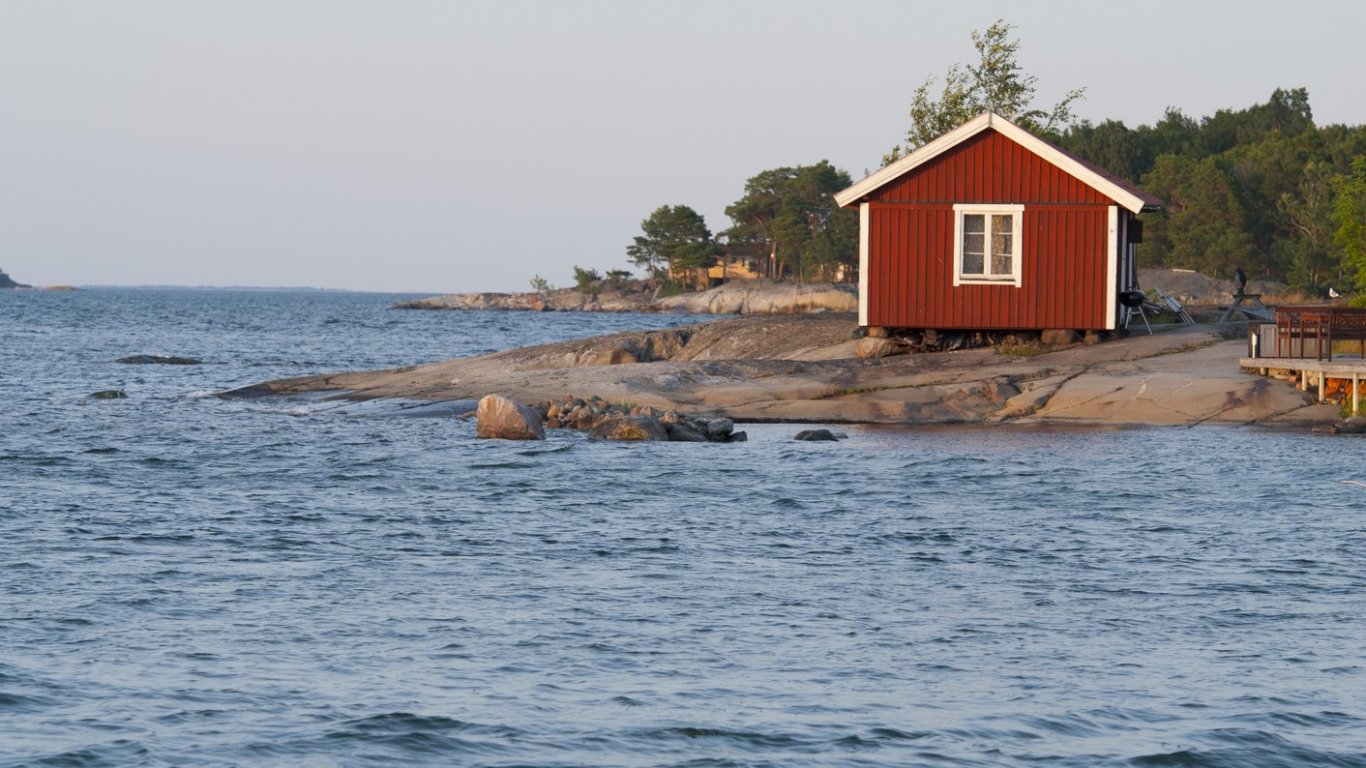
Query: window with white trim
986, 244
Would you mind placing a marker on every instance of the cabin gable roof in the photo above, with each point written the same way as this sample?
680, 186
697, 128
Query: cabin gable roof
1109, 185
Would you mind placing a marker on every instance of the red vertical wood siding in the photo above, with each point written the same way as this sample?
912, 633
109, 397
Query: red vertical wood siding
1064, 240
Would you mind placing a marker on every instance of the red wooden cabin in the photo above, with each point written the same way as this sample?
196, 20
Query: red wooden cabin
990, 228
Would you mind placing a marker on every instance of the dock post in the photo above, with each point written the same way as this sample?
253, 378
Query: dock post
1355, 377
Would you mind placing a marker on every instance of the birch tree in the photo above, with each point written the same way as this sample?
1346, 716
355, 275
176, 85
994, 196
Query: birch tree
996, 82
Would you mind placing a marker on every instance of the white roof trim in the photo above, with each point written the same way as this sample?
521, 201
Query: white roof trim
939, 146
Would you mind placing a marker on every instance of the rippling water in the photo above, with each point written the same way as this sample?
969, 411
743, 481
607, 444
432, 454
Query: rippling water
194, 582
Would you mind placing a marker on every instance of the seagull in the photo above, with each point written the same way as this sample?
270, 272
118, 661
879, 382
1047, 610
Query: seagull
1333, 293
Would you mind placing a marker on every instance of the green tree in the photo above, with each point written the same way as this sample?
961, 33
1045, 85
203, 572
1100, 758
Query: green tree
823, 237
1260, 174
1310, 250
617, 279
1203, 226
1175, 134
675, 240
1112, 146
996, 82
790, 213
1349, 214
1254, 184
587, 281
1286, 112
754, 217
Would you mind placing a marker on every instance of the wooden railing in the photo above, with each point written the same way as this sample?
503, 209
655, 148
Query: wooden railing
1320, 324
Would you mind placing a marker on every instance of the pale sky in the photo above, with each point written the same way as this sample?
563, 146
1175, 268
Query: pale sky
427, 146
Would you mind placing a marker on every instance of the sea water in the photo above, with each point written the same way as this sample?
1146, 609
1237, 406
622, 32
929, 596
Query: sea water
191, 581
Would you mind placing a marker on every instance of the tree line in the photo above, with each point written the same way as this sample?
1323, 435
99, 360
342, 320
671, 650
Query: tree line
786, 225
1263, 188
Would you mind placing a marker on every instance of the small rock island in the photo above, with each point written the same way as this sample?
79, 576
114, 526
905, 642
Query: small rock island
7, 282
809, 369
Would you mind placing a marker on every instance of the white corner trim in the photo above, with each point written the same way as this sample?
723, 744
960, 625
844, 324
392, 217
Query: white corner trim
1016, 249
1112, 268
971, 128
863, 257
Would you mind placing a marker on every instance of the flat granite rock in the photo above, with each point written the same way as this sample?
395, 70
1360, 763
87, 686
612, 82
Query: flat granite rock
803, 369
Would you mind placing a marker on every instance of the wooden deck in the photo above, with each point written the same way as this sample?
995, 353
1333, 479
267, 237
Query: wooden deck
1342, 377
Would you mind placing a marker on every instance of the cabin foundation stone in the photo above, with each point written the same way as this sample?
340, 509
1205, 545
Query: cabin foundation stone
1059, 337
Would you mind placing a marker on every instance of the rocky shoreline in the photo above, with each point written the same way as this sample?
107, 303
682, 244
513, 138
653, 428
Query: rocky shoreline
739, 297
806, 369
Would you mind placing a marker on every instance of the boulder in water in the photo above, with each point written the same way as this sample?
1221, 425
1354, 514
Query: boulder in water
109, 394
720, 429
629, 428
683, 432
499, 418
816, 435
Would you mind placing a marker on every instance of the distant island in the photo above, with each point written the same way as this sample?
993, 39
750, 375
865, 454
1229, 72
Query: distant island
740, 297
7, 282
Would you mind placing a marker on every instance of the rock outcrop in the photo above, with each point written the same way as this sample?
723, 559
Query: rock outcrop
1190, 287
609, 421
634, 428
1354, 425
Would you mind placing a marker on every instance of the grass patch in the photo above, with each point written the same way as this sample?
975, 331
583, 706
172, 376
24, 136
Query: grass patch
1026, 349
1352, 347
849, 391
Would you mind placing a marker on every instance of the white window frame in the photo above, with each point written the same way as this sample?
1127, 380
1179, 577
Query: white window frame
987, 210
